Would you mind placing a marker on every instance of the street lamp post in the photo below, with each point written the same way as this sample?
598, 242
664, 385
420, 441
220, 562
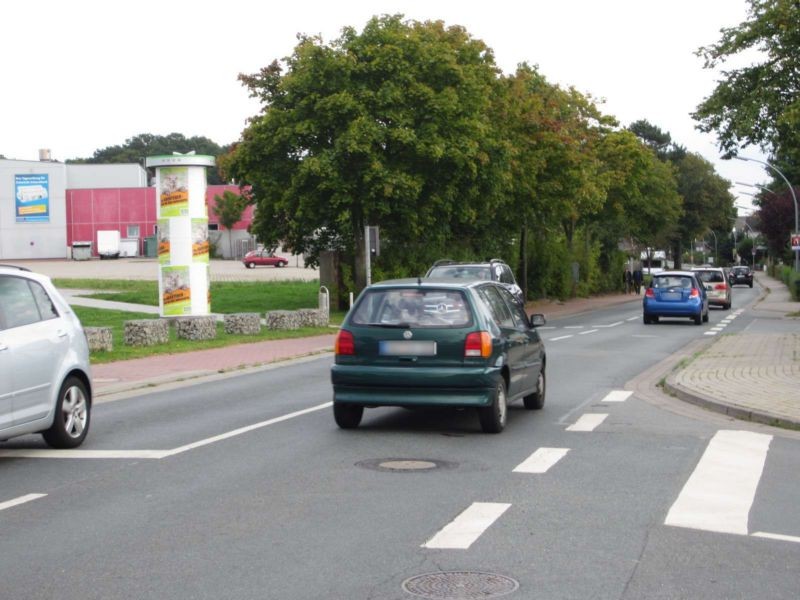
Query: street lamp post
716, 259
794, 198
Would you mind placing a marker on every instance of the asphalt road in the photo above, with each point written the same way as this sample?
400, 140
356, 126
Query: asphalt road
245, 488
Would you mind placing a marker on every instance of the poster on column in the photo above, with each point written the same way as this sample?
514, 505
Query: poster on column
176, 291
200, 245
32, 196
163, 241
174, 192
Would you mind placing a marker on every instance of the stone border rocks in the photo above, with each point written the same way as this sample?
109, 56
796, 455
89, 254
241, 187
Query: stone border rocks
196, 328
146, 332
242, 323
99, 339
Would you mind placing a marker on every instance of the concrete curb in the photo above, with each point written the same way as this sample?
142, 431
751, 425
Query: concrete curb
744, 414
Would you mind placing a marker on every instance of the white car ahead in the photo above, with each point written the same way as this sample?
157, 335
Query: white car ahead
45, 379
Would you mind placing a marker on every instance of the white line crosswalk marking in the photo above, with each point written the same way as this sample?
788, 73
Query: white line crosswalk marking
541, 461
467, 527
617, 396
719, 493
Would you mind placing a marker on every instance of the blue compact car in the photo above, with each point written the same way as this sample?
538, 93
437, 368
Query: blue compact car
675, 294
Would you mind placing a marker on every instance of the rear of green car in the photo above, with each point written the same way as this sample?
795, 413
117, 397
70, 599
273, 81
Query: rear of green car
408, 343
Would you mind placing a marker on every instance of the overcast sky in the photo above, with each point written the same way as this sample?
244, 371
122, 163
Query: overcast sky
80, 75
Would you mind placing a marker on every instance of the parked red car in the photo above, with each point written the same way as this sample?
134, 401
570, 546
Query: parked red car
263, 257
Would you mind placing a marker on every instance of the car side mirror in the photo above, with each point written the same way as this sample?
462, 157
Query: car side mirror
537, 320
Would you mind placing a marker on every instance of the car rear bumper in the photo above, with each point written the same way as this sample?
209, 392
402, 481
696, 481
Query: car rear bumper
654, 308
414, 386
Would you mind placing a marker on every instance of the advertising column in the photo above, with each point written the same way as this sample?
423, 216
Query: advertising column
183, 268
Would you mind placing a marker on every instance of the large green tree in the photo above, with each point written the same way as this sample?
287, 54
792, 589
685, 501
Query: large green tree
389, 127
757, 104
139, 147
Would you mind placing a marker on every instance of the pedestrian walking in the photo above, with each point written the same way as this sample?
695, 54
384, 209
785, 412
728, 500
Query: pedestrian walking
637, 280
627, 280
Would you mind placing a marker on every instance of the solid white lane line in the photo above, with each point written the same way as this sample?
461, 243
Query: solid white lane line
468, 526
636, 318
247, 429
20, 500
155, 454
617, 396
573, 327
777, 536
720, 491
588, 422
562, 337
541, 460
590, 331
35, 453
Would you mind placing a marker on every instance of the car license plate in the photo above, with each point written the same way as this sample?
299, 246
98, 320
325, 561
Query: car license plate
407, 348
671, 296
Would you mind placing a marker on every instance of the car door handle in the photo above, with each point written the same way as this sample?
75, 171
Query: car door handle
3, 347
61, 333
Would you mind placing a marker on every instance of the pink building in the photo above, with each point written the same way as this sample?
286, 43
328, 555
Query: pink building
132, 212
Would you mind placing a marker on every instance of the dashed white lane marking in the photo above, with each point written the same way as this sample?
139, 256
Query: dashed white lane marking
610, 325
157, 454
468, 526
573, 327
588, 422
717, 328
561, 337
710, 333
547, 327
719, 493
617, 396
589, 331
541, 460
20, 500
777, 536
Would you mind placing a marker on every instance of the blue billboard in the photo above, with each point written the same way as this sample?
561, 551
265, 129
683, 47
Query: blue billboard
32, 197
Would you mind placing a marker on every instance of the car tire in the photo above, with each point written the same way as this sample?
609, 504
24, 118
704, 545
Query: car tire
646, 320
280, 264
250, 265
493, 417
347, 416
535, 401
751, 285
706, 317
698, 319
72, 415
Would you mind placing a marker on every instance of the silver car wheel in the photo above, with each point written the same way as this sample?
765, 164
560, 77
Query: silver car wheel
74, 411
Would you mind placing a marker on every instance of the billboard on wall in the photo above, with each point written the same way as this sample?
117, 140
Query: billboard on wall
32, 198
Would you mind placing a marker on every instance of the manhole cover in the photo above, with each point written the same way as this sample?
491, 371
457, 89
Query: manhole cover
460, 585
405, 464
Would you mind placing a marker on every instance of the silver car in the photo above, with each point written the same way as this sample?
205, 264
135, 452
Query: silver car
45, 379
717, 287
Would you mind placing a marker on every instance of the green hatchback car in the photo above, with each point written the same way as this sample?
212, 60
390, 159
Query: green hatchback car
438, 343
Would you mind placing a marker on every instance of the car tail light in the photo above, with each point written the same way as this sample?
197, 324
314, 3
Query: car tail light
650, 293
720, 286
695, 293
345, 344
478, 343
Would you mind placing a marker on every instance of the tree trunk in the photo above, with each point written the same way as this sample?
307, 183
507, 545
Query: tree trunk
677, 255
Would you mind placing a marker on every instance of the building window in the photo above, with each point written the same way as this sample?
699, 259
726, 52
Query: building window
133, 231
213, 226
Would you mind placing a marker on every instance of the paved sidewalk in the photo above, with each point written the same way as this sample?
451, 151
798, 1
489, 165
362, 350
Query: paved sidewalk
750, 376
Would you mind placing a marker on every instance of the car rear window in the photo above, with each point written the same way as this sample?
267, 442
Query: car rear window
671, 281
461, 272
711, 276
412, 307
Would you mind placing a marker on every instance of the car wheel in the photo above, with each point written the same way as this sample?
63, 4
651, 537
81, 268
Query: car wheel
751, 285
73, 412
250, 265
280, 264
493, 417
646, 320
698, 319
347, 416
536, 400
705, 317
